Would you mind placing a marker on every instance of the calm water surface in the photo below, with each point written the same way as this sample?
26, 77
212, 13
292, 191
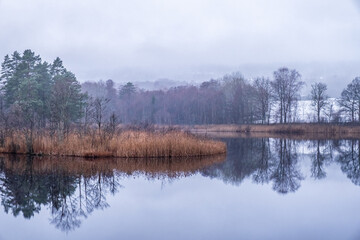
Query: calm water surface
262, 189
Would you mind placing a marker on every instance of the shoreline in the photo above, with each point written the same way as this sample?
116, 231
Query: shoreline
80, 165
290, 130
109, 156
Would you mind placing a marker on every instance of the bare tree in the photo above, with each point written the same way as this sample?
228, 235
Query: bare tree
350, 99
286, 87
319, 98
100, 105
263, 95
239, 98
88, 111
329, 111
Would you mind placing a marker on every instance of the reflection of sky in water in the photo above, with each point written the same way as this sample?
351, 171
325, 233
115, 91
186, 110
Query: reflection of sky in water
199, 207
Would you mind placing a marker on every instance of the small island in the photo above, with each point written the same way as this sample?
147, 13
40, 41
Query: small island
122, 144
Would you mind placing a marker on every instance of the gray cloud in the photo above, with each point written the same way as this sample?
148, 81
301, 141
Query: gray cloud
177, 39
357, 2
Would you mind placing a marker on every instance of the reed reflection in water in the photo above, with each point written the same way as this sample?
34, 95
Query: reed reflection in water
74, 187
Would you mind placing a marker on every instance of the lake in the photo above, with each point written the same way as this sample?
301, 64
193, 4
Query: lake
262, 189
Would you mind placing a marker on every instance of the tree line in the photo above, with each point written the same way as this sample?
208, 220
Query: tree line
40, 95
37, 95
231, 99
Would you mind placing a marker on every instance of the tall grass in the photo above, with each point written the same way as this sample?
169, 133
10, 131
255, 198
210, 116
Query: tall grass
126, 144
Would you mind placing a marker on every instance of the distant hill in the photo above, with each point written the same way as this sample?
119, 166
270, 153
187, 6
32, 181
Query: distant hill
160, 84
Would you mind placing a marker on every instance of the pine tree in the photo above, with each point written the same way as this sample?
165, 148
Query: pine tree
127, 90
57, 68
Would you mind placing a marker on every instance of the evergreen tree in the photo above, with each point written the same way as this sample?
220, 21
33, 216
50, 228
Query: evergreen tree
6, 69
57, 68
127, 90
39, 91
15, 70
45, 83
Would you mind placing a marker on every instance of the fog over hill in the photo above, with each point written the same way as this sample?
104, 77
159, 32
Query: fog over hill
336, 75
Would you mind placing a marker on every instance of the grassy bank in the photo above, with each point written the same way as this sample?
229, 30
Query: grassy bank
125, 144
298, 130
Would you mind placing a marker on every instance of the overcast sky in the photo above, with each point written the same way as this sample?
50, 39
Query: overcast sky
181, 39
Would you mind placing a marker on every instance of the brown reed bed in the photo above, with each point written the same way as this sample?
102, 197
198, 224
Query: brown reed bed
125, 144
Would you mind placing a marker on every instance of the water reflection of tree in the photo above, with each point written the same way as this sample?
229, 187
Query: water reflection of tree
275, 161
242, 160
74, 188
22, 193
262, 173
322, 155
349, 159
91, 195
26, 190
263, 160
286, 176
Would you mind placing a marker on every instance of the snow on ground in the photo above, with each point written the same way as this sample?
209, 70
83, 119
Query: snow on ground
305, 112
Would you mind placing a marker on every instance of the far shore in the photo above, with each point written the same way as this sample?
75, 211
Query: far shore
290, 130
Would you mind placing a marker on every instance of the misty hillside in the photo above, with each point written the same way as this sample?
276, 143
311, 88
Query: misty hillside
160, 84
335, 74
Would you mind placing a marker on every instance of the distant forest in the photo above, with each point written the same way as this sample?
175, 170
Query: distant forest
37, 94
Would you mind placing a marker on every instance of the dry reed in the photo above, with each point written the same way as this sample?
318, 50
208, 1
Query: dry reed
127, 144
